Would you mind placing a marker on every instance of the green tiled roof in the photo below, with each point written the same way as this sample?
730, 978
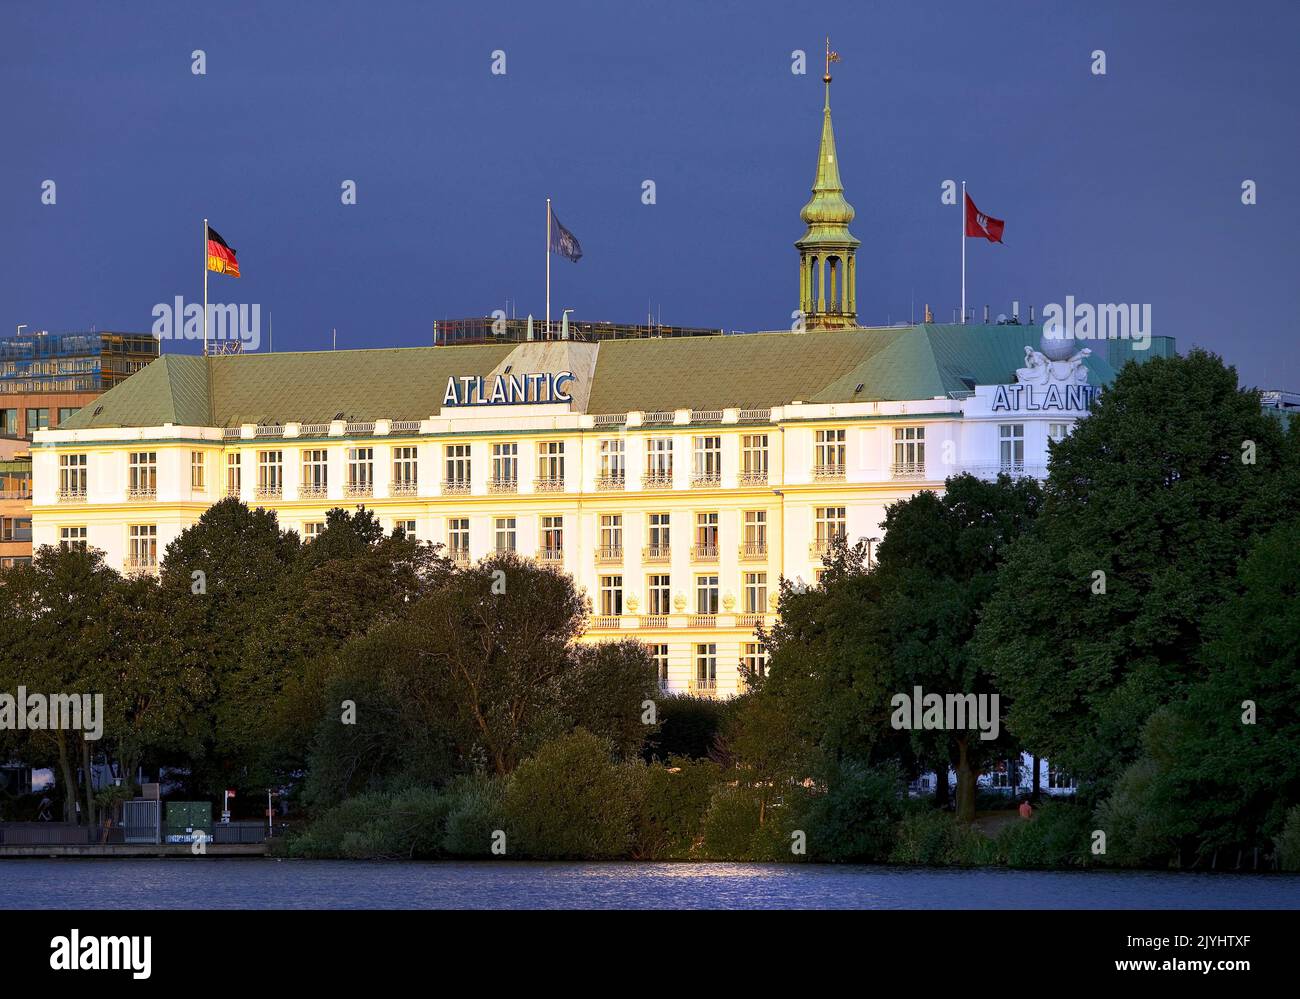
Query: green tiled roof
755, 370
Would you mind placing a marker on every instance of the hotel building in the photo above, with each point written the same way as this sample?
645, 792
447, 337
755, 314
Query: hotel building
677, 478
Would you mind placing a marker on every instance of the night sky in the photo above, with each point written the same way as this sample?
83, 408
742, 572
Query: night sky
1117, 188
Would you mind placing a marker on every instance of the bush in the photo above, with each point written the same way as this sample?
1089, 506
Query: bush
324, 836
739, 827
1058, 835
570, 801
669, 805
377, 826
1137, 823
1287, 843
688, 726
856, 818
474, 814
937, 839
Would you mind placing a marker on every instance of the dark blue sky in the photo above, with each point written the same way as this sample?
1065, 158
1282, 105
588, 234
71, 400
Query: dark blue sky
1122, 188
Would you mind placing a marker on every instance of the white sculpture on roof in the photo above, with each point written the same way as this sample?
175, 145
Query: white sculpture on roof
1039, 369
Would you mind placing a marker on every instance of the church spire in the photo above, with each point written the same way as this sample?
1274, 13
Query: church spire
827, 250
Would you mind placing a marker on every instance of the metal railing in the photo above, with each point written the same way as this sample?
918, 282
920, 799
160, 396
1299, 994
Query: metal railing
550, 556
313, 490
657, 480
659, 416
706, 479
405, 487
356, 490
907, 470
753, 550
755, 416
656, 553
704, 688
269, 432
706, 416
455, 487
460, 556
704, 553
77, 495
268, 492
828, 473
548, 485
608, 483
609, 419
404, 427
609, 553
313, 430
359, 428
230, 433
503, 485
136, 493
753, 478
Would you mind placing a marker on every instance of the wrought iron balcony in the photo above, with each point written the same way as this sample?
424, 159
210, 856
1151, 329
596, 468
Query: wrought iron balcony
657, 480
548, 485
828, 473
608, 483
496, 485
455, 487
908, 470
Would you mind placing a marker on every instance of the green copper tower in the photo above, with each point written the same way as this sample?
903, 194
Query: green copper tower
827, 252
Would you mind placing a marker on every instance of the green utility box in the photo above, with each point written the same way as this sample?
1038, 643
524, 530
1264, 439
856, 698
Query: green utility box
184, 818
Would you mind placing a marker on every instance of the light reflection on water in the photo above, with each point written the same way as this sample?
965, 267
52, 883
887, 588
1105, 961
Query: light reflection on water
292, 884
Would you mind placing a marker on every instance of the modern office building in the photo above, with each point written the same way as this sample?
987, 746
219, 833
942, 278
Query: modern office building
678, 478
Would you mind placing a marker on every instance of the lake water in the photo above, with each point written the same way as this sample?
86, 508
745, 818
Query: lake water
289, 884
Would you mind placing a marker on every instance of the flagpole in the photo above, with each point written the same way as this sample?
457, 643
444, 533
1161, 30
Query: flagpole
205, 287
548, 268
963, 253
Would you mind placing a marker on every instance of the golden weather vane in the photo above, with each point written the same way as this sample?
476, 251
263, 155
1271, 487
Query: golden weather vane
830, 58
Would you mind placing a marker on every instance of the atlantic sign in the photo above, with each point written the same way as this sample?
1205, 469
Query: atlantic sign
508, 390
1050, 398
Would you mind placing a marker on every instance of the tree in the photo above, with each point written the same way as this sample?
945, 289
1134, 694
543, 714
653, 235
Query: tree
1098, 616
936, 568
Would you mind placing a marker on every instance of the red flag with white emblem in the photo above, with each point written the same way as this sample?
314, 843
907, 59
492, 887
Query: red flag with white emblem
980, 225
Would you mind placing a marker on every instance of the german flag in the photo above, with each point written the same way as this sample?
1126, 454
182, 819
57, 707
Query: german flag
221, 258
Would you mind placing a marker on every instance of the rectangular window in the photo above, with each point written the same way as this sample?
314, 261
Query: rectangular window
550, 466
660, 535
143, 480
8, 423
611, 596
830, 453
755, 592
706, 664
612, 468
407, 527
66, 413
234, 476
755, 538
37, 419
312, 531
1058, 779
707, 470
1011, 441
706, 535
361, 471
72, 537
611, 535
1057, 431
753, 459
458, 538
831, 524
406, 467
315, 472
659, 594
505, 532
706, 594
72, 476
755, 658
458, 468
552, 539
270, 473
198, 466
505, 467
142, 552
659, 653
658, 463
909, 452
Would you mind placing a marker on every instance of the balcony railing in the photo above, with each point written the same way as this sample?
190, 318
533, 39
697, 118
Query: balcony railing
749, 620
753, 478
548, 485
138, 493
405, 487
358, 428
656, 553
1016, 469
74, 495
232, 492
268, 492
550, 556
657, 480
706, 480
751, 550
703, 688
455, 487
355, 490
458, 555
828, 473
607, 483
313, 430
706, 416
25, 492
703, 620
654, 621
313, 490
907, 470
821, 546
604, 622
704, 553
141, 563
755, 415
404, 427
503, 485
609, 553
